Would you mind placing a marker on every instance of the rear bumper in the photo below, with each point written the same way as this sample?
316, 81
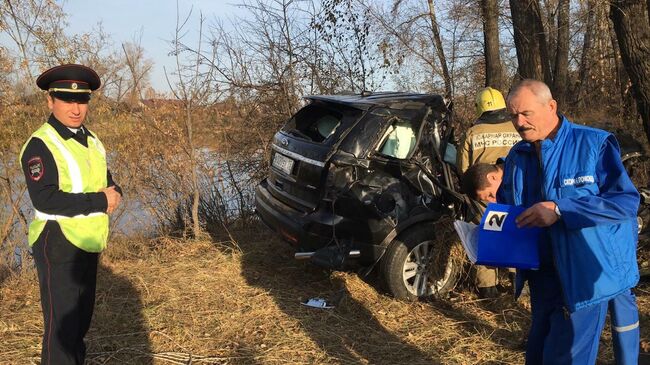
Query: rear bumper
293, 225
311, 231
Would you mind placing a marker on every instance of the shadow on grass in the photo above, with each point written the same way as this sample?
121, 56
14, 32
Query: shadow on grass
5, 272
119, 333
513, 321
350, 333
512, 317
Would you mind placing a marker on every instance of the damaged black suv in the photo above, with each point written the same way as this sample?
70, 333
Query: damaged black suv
363, 180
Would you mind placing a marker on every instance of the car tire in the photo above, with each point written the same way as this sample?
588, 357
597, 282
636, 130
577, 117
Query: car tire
422, 262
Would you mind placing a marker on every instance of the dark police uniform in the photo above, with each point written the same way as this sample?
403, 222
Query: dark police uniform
61, 234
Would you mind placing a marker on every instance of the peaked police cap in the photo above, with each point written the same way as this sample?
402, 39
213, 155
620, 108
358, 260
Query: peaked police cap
69, 82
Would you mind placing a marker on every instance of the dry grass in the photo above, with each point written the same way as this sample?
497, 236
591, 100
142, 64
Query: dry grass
174, 302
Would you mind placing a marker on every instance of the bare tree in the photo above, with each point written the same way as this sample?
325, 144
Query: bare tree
345, 29
139, 69
626, 106
6, 71
586, 47
19, 30
420, 49
633, 32
529, 36
435, 29
194, 88
597, 68
561, 66
493, 67
404, 41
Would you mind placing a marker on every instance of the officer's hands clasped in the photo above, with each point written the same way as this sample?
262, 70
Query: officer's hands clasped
113, 198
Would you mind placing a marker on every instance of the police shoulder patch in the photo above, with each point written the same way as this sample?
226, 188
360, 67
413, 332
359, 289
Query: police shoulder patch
35, 167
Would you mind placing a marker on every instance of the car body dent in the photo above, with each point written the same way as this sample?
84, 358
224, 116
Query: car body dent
365, 198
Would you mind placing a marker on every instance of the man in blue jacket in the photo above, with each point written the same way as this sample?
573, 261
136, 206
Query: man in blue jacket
573, 182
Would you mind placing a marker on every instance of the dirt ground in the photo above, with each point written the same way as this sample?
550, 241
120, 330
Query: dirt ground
237, 301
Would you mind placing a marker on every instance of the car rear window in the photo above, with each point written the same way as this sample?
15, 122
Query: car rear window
321, 122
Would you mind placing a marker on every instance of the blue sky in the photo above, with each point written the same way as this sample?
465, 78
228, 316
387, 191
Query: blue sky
155, 20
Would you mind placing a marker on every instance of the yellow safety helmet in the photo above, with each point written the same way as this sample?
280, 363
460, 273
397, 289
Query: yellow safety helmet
489, 99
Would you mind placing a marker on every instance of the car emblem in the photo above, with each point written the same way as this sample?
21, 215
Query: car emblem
285, 142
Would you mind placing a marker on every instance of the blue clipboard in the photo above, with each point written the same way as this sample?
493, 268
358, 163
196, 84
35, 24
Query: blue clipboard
502, 244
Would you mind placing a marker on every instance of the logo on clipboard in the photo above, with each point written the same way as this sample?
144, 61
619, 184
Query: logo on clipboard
495, 221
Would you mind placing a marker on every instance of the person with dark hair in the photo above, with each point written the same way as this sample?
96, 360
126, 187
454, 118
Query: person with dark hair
488, 139
72, 193
481, 181
573, 183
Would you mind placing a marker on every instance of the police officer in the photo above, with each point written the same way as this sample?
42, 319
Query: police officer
72, 192
489, 139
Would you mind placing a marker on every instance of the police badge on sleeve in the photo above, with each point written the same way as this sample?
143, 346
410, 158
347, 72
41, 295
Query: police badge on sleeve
35, 167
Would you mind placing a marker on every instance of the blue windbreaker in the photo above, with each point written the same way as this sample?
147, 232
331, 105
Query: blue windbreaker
593, 245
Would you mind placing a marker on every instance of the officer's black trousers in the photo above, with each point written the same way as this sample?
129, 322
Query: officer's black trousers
67, 277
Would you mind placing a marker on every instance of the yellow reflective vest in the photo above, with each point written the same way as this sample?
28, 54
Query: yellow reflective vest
81, 170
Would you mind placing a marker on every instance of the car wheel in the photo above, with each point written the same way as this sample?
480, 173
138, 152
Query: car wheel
422, 262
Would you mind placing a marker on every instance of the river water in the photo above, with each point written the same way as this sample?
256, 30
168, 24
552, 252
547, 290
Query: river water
137, 215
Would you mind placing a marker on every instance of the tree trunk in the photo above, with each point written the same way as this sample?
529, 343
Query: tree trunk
542, 44
292, 95
22, 45
602, 51
633, 33
493, 68
526, 40
196, 194
439, 49
625, 109
581, 87
561, 71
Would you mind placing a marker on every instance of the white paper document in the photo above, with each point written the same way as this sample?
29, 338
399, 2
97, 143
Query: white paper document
468, 233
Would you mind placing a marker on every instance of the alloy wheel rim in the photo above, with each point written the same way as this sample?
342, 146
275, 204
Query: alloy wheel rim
416, 273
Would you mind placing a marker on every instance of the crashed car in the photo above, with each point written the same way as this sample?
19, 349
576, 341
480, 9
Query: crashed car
362, 180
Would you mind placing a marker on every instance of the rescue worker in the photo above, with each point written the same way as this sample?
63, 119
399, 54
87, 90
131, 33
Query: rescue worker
488, 139
574, 184
482, 181
72, 193
491, 135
